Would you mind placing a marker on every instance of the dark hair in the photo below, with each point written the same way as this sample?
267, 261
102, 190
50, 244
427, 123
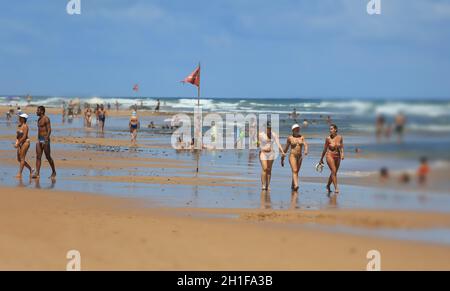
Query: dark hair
24, 119
423, 160
42, 108
334, 126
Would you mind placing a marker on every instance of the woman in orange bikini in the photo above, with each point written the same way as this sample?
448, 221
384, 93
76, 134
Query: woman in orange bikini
334, 152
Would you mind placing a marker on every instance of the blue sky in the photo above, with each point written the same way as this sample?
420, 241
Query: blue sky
248, 48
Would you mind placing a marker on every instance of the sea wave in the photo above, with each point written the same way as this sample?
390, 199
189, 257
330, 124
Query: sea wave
359, 108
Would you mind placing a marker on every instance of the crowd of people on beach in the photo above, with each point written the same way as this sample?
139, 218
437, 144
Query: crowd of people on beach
268, 142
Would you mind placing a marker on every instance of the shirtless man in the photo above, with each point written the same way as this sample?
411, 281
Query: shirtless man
43, 144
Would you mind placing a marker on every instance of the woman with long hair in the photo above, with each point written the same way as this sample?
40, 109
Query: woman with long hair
334, 152
266, 141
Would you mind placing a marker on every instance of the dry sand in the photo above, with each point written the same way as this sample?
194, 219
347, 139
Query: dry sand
38, 227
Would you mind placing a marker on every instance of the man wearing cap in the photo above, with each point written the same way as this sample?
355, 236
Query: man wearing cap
43, 143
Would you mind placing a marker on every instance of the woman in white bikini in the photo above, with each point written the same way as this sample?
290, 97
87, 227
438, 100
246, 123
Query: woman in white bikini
22, 144
267, 154
298, 145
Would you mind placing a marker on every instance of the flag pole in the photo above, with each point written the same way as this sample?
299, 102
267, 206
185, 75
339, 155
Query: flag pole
198, 107
198, 89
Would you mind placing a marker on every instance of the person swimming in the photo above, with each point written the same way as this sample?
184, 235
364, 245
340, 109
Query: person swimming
296, 142
334, 152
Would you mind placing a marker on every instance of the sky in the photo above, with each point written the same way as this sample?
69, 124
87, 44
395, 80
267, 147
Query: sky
247, 48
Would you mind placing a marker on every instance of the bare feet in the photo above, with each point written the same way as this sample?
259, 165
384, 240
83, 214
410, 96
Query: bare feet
328, 189
19, 176
53, 176
336, 191
35, 176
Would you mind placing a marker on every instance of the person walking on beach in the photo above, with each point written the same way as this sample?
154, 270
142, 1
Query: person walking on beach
63, 111
379, 126
88, 116
22, 144
334, 152
101, 118
400, 121
297, 144
266, 142
134, 125
43, 143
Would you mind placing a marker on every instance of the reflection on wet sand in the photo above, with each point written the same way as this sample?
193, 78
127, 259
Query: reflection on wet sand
294, 200
265, 200
332, 199
36, 183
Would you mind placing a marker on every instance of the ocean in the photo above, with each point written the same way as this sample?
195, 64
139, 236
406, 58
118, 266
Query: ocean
353, 115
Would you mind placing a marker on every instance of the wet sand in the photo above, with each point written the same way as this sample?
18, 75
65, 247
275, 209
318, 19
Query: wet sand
39, 227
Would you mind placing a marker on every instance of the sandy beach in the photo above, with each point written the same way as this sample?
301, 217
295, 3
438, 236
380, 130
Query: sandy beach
145, 208
39, 227
225, 136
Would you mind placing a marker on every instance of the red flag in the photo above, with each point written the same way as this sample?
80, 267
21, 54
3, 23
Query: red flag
194, 77
136, 87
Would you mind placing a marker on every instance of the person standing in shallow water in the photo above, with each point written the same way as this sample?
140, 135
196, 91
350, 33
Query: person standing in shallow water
266, 142
134, 126
22, 144
297, 143
101, 118
334, 152
43, 143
